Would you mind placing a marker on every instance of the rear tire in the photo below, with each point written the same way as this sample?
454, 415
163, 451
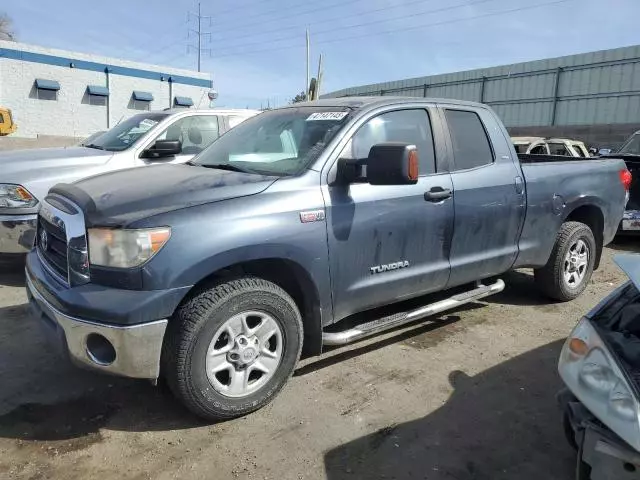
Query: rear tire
223, 339
569, 268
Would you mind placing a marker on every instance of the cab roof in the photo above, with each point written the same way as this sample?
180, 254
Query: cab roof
362, 102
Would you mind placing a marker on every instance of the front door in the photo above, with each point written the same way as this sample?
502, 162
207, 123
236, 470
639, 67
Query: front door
195, 133
387, 243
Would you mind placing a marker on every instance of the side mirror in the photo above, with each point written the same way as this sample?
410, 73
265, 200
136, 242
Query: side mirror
392, 163
164, 148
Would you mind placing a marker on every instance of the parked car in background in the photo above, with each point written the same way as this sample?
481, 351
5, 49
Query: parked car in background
600, 367
630, 153
170, 136
91, 138
301, 228
550, 146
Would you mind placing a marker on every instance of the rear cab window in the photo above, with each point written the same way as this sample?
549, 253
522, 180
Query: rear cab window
471, 145
559, 149
539, 149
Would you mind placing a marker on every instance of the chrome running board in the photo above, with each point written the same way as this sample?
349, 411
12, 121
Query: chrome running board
396, 320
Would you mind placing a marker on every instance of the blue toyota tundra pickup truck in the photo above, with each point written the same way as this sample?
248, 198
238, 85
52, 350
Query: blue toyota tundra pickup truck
218, 274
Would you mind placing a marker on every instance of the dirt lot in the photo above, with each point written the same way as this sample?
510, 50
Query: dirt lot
468, 395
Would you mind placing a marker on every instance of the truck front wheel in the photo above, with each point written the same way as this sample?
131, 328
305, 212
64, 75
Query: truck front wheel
569, 268
230, 348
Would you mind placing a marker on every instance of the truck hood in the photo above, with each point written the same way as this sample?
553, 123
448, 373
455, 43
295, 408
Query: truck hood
123, 197
23, 166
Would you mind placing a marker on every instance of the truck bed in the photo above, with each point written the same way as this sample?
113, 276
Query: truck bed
556, 186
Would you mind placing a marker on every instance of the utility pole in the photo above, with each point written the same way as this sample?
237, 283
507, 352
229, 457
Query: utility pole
199, 33
306, 88
319, 78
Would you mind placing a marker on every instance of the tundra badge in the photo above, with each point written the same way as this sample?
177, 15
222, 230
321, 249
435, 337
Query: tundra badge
312, 216
389, 266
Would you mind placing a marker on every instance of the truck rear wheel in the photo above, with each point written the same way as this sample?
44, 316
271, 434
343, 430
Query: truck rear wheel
230, 348
569, 268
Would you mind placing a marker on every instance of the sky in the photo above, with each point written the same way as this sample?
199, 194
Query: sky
256, 48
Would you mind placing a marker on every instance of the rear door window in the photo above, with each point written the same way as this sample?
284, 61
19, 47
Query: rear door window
471, 146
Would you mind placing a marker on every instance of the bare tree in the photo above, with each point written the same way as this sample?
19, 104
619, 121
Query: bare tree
6, 28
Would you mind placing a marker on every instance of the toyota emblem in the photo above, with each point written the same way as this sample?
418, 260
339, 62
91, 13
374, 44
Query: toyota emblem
44, 240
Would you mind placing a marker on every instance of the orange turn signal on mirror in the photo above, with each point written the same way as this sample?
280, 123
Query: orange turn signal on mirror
578, 346
413, 165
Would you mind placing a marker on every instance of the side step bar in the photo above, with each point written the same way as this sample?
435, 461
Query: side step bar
393, 321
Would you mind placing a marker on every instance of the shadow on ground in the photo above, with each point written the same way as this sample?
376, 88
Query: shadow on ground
12, 272
520, 290
626, 243
500, 424
45, 398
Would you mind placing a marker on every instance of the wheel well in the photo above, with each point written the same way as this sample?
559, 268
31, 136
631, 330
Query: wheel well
592, 216
293, 279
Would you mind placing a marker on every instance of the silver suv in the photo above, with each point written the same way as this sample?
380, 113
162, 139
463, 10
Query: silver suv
149, 138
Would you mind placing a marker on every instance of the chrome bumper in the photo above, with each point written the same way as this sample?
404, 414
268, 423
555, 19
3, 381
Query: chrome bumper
17, 233
129, 351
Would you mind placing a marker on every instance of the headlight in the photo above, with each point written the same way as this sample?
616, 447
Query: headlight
125, 248
589, 370
16, 196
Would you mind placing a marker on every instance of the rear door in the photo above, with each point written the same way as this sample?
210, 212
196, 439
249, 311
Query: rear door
387, 243
489, 195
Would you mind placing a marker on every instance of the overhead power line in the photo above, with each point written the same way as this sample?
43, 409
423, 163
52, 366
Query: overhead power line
288, 15
331, 19
366, 24
399, 29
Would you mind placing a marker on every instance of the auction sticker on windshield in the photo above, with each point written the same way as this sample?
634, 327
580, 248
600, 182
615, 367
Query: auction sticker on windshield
327, 116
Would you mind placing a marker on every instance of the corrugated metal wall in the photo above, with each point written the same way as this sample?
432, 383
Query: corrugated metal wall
586, 89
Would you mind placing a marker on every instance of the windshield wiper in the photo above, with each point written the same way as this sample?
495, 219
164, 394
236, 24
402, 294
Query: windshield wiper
224, 166
93, 145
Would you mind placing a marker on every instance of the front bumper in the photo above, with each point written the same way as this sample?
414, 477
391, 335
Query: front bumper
17, 233
129, 350
608, 456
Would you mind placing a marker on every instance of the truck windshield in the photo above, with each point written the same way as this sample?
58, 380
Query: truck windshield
281, 142
126, 133
632, 147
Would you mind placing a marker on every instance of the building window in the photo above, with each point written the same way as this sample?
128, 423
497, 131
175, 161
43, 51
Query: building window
141, 100
46, 89
97, 100
184, 102
97, 95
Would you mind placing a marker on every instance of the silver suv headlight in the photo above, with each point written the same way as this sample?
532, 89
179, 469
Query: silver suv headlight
592, 374
121, 248
16, 196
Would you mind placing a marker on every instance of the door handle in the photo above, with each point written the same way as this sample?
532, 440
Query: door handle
519, 184
437, 194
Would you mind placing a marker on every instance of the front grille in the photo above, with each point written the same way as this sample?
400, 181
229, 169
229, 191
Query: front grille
52, 245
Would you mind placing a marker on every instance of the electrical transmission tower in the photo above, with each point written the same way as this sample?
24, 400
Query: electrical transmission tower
199, 33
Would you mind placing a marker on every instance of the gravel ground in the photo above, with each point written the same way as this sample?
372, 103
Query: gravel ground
467, 395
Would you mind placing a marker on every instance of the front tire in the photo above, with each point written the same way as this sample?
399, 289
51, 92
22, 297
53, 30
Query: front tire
230, 348
569, 268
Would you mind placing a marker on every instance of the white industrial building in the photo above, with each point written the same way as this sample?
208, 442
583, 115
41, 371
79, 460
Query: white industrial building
61, 93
